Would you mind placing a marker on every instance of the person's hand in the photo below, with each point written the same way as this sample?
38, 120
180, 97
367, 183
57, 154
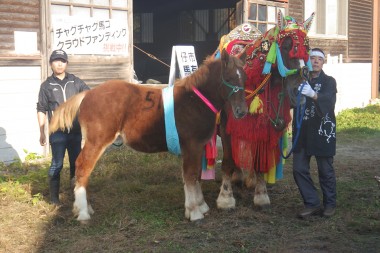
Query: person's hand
307, 90
42, 139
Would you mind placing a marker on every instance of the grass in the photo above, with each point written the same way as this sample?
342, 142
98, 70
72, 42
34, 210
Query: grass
139, 205
359, 122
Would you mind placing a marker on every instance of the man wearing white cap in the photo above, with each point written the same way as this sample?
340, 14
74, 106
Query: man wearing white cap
317, 138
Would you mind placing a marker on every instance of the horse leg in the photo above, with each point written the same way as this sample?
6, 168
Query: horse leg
195, 205
261, 197
237, 177
226, 198
203, 207
251, 180
85, 164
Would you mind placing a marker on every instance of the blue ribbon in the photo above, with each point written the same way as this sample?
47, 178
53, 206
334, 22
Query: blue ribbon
172, 139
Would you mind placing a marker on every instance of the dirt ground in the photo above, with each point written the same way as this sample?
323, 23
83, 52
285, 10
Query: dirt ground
157, 223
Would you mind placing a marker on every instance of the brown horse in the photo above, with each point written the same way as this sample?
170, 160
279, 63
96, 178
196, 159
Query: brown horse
136, 113
253, 143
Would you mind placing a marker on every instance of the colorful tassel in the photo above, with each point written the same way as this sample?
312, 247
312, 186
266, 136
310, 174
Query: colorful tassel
308, 64
267, 68
271, 58
256, 106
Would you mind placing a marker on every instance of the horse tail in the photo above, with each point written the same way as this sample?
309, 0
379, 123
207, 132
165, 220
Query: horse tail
64, 115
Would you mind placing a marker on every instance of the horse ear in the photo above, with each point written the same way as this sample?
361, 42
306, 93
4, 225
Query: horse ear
281, 22
307, 23
225, 58
243, 56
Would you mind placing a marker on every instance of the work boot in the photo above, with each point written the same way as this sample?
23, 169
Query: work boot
309, 211
54, 190
329, 212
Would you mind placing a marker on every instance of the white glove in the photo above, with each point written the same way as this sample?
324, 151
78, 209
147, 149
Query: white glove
307, 90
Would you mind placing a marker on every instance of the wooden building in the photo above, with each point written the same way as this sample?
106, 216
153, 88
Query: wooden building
96, 34
342, 28
112, 39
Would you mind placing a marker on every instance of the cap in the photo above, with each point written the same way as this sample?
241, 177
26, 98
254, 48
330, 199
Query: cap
58, 54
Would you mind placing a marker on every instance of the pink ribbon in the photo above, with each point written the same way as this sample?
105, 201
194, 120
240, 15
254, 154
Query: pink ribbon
204, 99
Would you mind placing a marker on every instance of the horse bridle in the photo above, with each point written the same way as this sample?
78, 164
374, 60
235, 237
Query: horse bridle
234, 88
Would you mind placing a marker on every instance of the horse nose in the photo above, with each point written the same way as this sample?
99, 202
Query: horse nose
241, 112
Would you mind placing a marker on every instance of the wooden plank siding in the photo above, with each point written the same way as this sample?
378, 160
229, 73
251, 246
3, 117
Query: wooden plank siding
295, 9
96, 70
360, 30
17, 15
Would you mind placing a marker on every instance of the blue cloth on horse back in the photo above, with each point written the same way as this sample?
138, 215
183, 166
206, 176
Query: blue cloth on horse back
172, 139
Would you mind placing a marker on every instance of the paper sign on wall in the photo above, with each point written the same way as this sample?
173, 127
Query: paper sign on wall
184, 58
79, 35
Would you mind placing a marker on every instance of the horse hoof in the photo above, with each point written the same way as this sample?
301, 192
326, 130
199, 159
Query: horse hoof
196, 216
226, 203
204, 208
261, 200
83, 216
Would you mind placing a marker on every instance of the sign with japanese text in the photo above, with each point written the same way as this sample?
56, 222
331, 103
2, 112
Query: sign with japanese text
187, 62
77, 35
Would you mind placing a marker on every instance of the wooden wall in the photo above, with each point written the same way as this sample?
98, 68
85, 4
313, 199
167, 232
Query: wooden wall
295, 9
95, 70
17, 15
360, 30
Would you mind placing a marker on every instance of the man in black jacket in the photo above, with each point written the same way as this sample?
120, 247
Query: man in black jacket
317, 138
56, 89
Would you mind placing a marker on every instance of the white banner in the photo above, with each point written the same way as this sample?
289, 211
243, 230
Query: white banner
77, 35
187, 62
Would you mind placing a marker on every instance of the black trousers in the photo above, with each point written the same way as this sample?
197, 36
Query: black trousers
60, 142
326, 175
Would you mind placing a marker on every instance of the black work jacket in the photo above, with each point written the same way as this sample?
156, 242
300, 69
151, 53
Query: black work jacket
318, 130
54, 92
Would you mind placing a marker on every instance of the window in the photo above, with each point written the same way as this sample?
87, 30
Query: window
90, 8
330, 17
263, 14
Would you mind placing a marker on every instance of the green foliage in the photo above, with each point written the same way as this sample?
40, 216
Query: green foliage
359, 121
31, 156
14, 189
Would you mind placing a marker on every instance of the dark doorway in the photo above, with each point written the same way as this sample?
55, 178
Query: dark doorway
159, 25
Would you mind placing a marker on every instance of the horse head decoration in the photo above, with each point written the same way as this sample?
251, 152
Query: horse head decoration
276, 63
292, 52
